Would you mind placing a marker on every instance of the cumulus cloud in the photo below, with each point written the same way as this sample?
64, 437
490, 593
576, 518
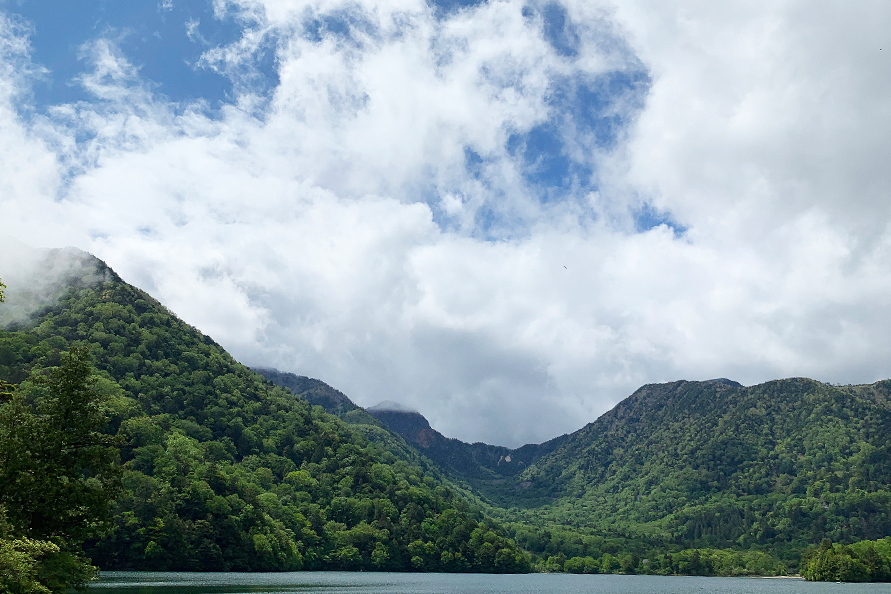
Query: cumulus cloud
460, 210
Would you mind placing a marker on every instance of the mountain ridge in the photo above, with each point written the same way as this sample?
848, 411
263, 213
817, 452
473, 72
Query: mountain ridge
480, 464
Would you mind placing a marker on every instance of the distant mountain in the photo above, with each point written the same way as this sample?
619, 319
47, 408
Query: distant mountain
481, 465
777, 466
318, 393
390, 405
780, 465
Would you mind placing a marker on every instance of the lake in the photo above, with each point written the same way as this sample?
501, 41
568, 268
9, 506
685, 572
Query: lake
138, 582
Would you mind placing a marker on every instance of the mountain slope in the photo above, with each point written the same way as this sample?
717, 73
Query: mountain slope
779, 465
317, 393
480, 465
224, 471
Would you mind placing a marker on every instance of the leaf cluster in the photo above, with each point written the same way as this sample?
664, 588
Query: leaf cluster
58, 476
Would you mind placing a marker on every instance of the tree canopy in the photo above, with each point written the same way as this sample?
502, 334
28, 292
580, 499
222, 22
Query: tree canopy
58, 475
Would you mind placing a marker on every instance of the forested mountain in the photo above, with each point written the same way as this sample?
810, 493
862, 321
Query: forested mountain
225, 471
318, 393
777, 466
482, 466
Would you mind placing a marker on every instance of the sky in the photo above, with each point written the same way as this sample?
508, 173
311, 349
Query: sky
507, 215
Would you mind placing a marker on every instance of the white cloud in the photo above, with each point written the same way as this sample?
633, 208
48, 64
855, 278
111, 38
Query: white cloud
337, 233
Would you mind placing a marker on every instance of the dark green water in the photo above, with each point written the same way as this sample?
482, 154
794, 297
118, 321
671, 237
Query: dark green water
127, 582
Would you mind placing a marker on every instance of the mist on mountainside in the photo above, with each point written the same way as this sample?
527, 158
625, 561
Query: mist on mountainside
36, 278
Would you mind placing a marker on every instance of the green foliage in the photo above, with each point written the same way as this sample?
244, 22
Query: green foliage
716, 562
224, 471
21, 561
864, 561
613, 500
58, 471
2, 294
57, 476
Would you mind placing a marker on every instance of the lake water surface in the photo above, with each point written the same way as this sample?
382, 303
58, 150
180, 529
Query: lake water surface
139, 582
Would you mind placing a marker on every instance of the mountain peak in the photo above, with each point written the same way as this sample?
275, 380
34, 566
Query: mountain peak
36, 278
391, 406
725, 381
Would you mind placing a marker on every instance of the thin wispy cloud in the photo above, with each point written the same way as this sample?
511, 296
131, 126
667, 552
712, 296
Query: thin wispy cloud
506, 215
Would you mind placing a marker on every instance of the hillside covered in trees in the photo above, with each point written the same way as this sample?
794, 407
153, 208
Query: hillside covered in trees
224, 471
693, 477
775, 467
481, 465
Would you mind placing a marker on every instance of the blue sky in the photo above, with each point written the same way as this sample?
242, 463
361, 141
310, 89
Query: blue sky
507, 215
167, 43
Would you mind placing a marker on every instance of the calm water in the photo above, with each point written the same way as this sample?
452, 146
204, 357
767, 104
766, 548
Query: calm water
135, 582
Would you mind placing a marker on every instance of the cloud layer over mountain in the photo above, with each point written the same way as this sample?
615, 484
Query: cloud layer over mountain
506, 215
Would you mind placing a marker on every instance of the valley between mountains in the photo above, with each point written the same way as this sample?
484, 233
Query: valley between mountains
224, 468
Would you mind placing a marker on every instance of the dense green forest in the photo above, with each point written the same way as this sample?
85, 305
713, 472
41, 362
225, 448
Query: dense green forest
199, 463
58, 475
863, 561
775, 467
693, 466
224, 471
479, 464
567, 536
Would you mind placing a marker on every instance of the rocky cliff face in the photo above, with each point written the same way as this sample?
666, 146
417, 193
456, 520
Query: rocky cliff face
412, 426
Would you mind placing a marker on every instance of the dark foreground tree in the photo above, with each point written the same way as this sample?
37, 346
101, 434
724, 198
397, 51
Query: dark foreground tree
58, 475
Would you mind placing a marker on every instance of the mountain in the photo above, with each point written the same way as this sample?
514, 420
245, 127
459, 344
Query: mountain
318, 393
225, 470
222, 469
480, 465
777, 466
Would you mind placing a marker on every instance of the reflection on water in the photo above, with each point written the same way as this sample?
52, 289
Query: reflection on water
137, 582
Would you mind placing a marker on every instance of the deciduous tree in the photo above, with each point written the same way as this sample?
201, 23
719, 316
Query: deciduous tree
58, 470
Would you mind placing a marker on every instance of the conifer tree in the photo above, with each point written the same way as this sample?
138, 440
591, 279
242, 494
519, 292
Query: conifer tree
58, 471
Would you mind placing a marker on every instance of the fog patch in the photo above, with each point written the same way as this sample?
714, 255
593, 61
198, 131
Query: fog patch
36, 278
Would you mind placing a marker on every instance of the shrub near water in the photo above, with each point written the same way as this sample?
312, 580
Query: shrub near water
714, 562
